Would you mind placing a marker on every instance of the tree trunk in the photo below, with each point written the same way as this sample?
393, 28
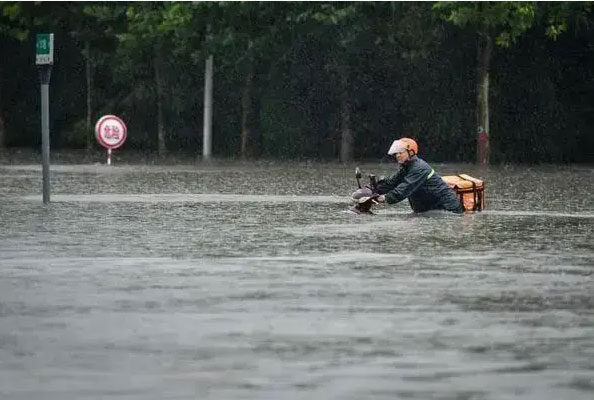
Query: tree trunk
2, 124
482, 101
2, 131
346, 133
246, 104
251, 137
157, 63
89, 122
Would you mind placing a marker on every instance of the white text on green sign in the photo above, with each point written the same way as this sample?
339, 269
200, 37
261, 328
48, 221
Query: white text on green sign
44, 48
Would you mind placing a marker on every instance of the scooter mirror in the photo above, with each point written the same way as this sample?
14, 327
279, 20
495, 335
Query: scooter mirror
373, 182
358, 176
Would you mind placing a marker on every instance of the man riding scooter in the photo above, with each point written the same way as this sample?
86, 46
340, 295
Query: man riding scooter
416, 181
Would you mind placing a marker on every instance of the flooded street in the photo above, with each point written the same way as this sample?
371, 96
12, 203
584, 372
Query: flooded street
233, 280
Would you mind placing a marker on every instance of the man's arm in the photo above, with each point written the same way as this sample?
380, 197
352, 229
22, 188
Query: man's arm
389, 183
408, 184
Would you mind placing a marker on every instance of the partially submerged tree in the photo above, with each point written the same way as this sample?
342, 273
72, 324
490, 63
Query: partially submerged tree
146, 33
502, 23
91, 32
494, 22
341, 24
250, 37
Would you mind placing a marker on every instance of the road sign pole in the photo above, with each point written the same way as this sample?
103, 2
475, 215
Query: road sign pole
44, 58
207, 129
44, 75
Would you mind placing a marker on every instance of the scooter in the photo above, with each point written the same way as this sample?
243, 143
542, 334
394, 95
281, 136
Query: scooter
364, 197
471, 192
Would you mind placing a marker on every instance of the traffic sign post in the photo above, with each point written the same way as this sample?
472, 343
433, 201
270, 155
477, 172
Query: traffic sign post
111, 133
44, 58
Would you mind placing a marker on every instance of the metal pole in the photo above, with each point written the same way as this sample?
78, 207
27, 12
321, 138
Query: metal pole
45, 73
207, 132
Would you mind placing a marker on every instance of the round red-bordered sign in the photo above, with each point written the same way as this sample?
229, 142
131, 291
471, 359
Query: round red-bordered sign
111, 131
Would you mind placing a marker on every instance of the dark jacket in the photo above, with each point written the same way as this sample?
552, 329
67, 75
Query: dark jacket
423, 187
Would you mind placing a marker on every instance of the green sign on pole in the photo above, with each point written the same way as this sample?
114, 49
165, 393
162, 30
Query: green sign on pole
44, 49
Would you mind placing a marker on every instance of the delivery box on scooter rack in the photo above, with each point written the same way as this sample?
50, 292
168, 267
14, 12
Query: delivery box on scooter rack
471, 191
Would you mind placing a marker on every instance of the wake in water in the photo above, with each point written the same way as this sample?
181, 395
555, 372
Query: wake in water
249, 198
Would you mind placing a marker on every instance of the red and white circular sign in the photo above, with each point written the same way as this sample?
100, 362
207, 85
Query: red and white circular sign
110, 131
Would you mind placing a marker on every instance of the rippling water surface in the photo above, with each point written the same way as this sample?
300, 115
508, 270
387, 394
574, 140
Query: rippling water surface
250, 281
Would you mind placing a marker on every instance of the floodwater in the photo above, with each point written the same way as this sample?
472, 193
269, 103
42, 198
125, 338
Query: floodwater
232, 280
